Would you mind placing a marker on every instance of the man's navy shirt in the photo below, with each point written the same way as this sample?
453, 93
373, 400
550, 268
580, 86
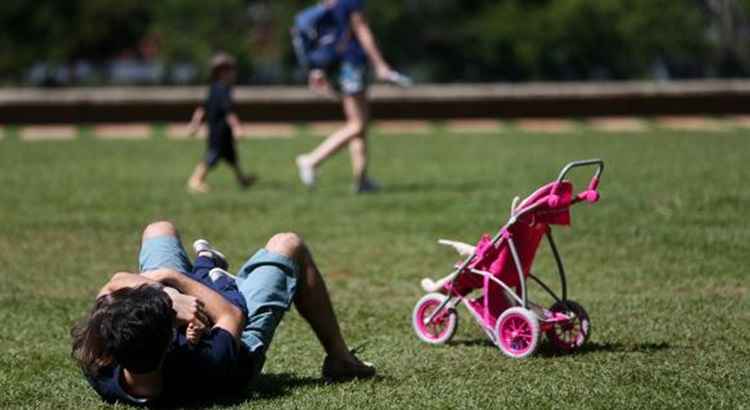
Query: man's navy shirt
215, 365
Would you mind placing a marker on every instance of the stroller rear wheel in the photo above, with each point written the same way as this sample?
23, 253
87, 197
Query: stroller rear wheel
569, 336
517, 332
442, 327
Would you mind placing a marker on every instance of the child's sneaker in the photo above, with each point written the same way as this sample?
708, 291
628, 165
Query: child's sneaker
247, 181
216, 274
201, 245
337, 370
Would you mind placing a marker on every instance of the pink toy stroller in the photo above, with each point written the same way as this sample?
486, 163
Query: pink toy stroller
492, 281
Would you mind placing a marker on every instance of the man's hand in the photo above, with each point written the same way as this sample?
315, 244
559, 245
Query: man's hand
224, 314
318, 82
189, 309
383, 72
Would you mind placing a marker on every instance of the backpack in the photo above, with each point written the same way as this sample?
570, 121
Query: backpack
315, 37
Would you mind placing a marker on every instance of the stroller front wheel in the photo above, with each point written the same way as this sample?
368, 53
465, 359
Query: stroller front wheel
442, 327
517, 333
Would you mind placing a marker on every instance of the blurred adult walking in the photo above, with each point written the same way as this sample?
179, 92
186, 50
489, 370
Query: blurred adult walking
334, 42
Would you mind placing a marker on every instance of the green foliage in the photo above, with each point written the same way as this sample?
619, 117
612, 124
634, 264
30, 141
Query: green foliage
575, 39
193, 30
660, 263
61, 31
434, 40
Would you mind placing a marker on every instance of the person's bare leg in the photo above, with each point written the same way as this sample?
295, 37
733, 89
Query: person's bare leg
197, 181
312, 300
314, 304
355, 110
358, 152
358, 144
159, 228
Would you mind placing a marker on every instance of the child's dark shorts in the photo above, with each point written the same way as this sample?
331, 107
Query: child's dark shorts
217, 152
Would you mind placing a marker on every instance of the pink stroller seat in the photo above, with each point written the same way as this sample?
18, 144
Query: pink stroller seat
550, 205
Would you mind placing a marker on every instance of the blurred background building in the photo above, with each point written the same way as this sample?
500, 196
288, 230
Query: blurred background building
168, 42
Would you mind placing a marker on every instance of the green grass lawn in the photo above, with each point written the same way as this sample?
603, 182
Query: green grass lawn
660, 263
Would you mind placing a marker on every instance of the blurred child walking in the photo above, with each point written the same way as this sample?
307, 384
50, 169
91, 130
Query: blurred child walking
333, 39
223, 125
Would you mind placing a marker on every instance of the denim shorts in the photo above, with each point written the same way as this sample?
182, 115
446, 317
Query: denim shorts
164, 252
350, 78
267, 281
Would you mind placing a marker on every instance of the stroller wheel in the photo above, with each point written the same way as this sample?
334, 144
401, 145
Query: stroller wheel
442, 327
517, 332
569, 336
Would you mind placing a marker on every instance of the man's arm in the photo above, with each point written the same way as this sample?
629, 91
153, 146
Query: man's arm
224, 314
122, 280
362, 30
187, 308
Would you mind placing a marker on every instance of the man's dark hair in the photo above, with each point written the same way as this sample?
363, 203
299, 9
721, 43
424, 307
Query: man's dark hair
131, 327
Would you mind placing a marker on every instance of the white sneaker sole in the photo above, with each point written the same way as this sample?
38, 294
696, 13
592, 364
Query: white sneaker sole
217, 273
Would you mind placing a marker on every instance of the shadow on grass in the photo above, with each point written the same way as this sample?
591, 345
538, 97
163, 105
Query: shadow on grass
412, 187
266, 387
471, 342
546, 350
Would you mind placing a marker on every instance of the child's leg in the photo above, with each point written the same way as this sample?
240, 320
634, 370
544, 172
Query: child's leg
201, 268
197, 181
242, 179
229, 153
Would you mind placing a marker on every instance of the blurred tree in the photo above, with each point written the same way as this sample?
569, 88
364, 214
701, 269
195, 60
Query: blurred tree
58, 32
729, 33
192, 30
434, 40
578, 39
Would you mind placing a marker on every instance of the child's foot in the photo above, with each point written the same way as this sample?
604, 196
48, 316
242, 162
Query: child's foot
338, 370
367, 186
203, 248
216, 274
247, 181
306, 171
197, 187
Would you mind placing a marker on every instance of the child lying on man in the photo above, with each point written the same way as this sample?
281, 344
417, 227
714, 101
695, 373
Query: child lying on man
210, 269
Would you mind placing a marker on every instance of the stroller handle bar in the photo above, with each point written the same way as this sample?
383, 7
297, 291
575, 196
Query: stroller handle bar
591, 194
583, 163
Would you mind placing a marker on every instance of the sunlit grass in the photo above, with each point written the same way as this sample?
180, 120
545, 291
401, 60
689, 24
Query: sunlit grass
660, 263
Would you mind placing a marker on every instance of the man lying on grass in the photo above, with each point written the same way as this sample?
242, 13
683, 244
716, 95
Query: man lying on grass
129, 347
